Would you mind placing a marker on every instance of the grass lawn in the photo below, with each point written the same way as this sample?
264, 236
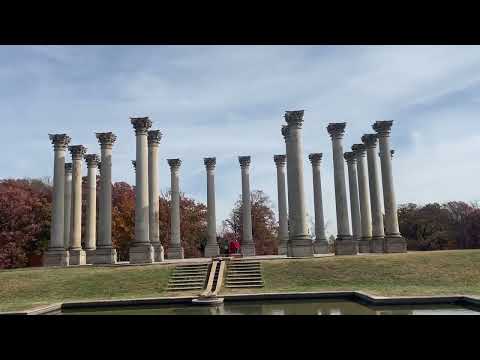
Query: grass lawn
417, 273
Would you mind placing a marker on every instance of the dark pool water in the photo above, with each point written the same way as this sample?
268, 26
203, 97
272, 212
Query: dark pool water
291, 307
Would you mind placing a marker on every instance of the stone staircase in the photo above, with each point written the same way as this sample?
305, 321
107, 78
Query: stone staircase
244, 274
188, 277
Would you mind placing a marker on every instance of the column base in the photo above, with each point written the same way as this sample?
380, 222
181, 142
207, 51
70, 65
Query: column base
159, 254
212, 250
364, 245
346, 245
248, 249
105, 255
321, 246
78, 257
377, 244
301, 246
282, 248
142, 254
90, 253
395, 244
175, 252
59, 257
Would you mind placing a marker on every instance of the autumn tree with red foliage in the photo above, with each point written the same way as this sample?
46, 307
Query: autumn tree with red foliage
25, 215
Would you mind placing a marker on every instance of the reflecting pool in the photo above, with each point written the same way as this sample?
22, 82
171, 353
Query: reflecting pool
279, 307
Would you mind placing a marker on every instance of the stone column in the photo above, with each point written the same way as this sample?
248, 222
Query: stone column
320, 245
378, 236
212, 249
354, 196
141, 250
57, 255
394, 242
300, 240
105, 253
68, 204
91, 226
364, 196
247, 246
344, 244
280, 162
290, 199
77, 254
175, 249
154, 137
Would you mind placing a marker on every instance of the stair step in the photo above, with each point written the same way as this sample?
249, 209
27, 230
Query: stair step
190, 272
243, 286
188, 277
244, 278
183, 285
185, 288
176, 281
244, 282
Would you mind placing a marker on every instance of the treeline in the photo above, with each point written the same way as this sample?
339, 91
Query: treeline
25, 217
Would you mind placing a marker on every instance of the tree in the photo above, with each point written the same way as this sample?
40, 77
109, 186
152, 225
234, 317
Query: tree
123, 218
25, 216
264, 224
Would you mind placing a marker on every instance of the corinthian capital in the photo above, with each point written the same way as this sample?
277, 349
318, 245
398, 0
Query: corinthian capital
92, 160
315, 158
294, 118
141, 124
349, 156
77, 151
154, 137
370, 140
280, 160
59, 141
68, 168
336, 130
382, 128
106, 139
174, 163
210, 162
359, 149
244, 161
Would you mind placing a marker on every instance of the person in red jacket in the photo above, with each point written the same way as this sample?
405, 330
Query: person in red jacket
234, 247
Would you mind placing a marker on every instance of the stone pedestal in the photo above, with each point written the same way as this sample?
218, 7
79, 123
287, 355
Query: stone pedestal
142, 254
346, 247
377, 245
364, 245
395, 244
211, 250
78, 257
175, 251
321, 247
90, 256
248, 249
301, 244
159, 253
105, 255
56, 258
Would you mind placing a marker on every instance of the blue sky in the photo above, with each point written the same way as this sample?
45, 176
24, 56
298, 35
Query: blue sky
227, 101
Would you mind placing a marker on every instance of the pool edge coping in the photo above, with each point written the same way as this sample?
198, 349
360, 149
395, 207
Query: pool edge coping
359, 296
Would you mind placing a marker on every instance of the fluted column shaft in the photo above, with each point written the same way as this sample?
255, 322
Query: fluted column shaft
104, 252
320, 245
280, 162
91, 233
154, 137
300, 239
378, 235
354, 197
248, 246
68, 204
394, 242
211, 248
344, 245
364, 197
175, 250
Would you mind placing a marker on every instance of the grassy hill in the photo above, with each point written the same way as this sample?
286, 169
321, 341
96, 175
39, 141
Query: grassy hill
416, 273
